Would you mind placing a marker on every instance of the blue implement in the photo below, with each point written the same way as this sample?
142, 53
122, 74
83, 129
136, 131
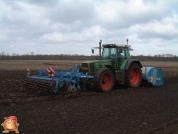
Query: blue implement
72, 76
153, 75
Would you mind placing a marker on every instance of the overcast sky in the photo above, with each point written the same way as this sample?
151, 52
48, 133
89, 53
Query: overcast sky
74, 26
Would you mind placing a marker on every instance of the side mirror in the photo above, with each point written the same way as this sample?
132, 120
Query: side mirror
92, 51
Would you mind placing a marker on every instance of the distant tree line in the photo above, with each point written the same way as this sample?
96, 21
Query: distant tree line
155, 58
49, 57
32, 56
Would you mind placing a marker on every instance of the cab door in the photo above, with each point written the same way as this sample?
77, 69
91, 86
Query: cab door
121, 56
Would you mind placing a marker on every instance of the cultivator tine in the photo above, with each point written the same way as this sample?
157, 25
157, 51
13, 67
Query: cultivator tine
39, 84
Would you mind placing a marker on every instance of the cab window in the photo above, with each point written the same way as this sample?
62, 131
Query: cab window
121, 53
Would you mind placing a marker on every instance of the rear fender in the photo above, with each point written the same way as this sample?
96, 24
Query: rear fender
129, 62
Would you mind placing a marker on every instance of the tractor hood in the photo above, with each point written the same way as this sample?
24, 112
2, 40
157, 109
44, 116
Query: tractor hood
98, 61
92, 66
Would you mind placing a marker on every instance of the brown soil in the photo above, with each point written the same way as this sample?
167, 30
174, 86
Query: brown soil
140, 110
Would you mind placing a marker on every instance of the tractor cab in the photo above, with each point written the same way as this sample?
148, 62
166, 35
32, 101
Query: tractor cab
116, 51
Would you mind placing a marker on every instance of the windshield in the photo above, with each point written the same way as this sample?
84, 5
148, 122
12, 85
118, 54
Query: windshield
115, 52
109, 53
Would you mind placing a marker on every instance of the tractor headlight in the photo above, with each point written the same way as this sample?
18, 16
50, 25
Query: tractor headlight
84, 66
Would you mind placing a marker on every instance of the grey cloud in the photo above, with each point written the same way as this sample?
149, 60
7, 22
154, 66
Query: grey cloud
62, 26
152, 34
41, 3
128, 19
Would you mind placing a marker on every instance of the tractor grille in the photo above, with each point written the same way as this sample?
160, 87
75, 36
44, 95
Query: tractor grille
92, 67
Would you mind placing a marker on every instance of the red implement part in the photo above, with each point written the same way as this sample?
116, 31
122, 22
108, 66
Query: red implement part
50, 71
28, 71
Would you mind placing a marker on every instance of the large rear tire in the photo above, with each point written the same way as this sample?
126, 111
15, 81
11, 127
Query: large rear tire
104, 80
133, 76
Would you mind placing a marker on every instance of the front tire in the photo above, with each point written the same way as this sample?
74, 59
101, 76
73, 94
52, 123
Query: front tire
133, 76
104, 79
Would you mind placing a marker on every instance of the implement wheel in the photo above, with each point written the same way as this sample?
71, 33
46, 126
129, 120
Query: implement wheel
72, 88
104, 79
133, 76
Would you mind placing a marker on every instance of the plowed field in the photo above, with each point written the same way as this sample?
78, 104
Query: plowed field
152, 110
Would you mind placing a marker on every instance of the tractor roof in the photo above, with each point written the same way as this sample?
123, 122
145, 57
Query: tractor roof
115, 45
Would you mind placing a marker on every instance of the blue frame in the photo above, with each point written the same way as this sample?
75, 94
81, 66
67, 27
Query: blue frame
72, 76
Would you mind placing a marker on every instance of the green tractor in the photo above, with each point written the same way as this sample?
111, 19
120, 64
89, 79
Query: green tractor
115, 66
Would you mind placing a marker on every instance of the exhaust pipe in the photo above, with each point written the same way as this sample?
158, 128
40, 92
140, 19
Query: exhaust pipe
97, 48
100, 48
